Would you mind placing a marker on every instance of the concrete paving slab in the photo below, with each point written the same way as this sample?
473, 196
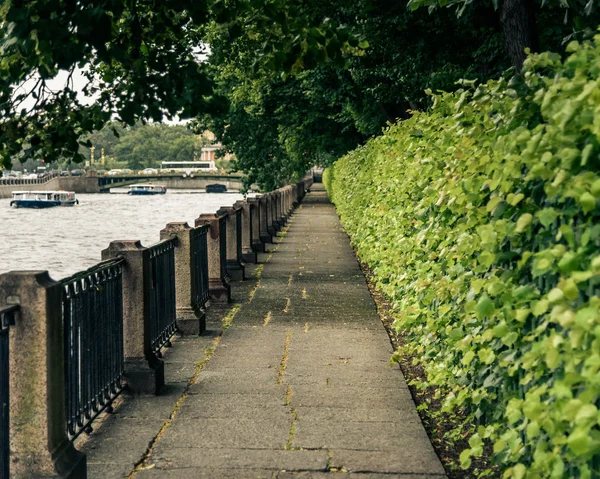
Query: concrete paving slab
204, 473
237, 399
241, 459
399, 460
236, 433
202, 409
145, 407
385, 415
350, 475
360, 436
108, 471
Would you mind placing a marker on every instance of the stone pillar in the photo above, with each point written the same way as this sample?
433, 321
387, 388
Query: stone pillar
265, 235
235, 268
289, 204
39, 446
281, 216
257, 244
220, 291
248, 254
144, 371
191, 318
302, 189
275, 227
277, 210
286, 211
295, 201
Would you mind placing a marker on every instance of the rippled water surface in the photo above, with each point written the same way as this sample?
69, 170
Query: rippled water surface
66, 240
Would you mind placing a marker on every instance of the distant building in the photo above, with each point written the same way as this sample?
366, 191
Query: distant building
209, 151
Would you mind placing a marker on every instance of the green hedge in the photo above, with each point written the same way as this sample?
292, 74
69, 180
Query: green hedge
480, 221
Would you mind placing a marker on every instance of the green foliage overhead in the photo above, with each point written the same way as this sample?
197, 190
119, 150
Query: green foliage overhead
140, 60
277, 127
480, 219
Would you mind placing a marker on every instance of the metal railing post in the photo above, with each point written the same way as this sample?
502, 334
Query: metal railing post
39, 446
235, 268
191, 318
144, 371
92, 312
219, 288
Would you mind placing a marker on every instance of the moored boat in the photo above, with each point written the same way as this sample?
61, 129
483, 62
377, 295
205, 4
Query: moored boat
43, 199
147, 189
216, 188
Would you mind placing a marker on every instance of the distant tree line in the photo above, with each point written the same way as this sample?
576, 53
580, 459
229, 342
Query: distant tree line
143, 146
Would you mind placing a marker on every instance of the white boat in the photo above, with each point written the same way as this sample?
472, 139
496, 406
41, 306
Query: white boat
43, 199
147, 189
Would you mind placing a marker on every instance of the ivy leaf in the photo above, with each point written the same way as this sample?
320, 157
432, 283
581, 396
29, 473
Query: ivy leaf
587, 202
485, 307
493, 203
523, 222
486, 355
547, 216
579, 441
468, 357
465, 459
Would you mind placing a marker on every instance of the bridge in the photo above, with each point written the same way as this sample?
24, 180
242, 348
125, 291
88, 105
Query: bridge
102, 184
171, 181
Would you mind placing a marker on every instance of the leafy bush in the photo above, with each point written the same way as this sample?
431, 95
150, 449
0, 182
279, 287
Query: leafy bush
480, 221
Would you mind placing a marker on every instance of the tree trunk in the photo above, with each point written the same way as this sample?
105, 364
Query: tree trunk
518, 24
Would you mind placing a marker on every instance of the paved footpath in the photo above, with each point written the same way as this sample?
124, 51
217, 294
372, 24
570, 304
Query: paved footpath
298, 386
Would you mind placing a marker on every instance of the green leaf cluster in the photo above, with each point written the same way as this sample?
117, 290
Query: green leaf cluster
480, 220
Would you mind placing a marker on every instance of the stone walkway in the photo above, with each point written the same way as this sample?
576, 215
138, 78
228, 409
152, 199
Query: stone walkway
298, 386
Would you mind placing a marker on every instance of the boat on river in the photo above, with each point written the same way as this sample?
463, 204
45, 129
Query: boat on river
43, 199
216, 188
147, 189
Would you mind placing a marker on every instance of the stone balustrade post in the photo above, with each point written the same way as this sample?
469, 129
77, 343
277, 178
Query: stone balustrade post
281, 218
219, 288
286, 209
302, 188
295, 195
274, 216
247, 210
256, 242
272, 228
144, 371
290, 199
39, 446
191, 318
235, 268
265, 234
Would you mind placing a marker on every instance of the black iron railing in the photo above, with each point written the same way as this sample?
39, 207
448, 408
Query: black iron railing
7, 319
223, 245
92, 307
238, 233
200, 292
162, 294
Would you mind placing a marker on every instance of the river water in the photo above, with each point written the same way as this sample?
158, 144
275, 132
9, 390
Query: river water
67, 240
